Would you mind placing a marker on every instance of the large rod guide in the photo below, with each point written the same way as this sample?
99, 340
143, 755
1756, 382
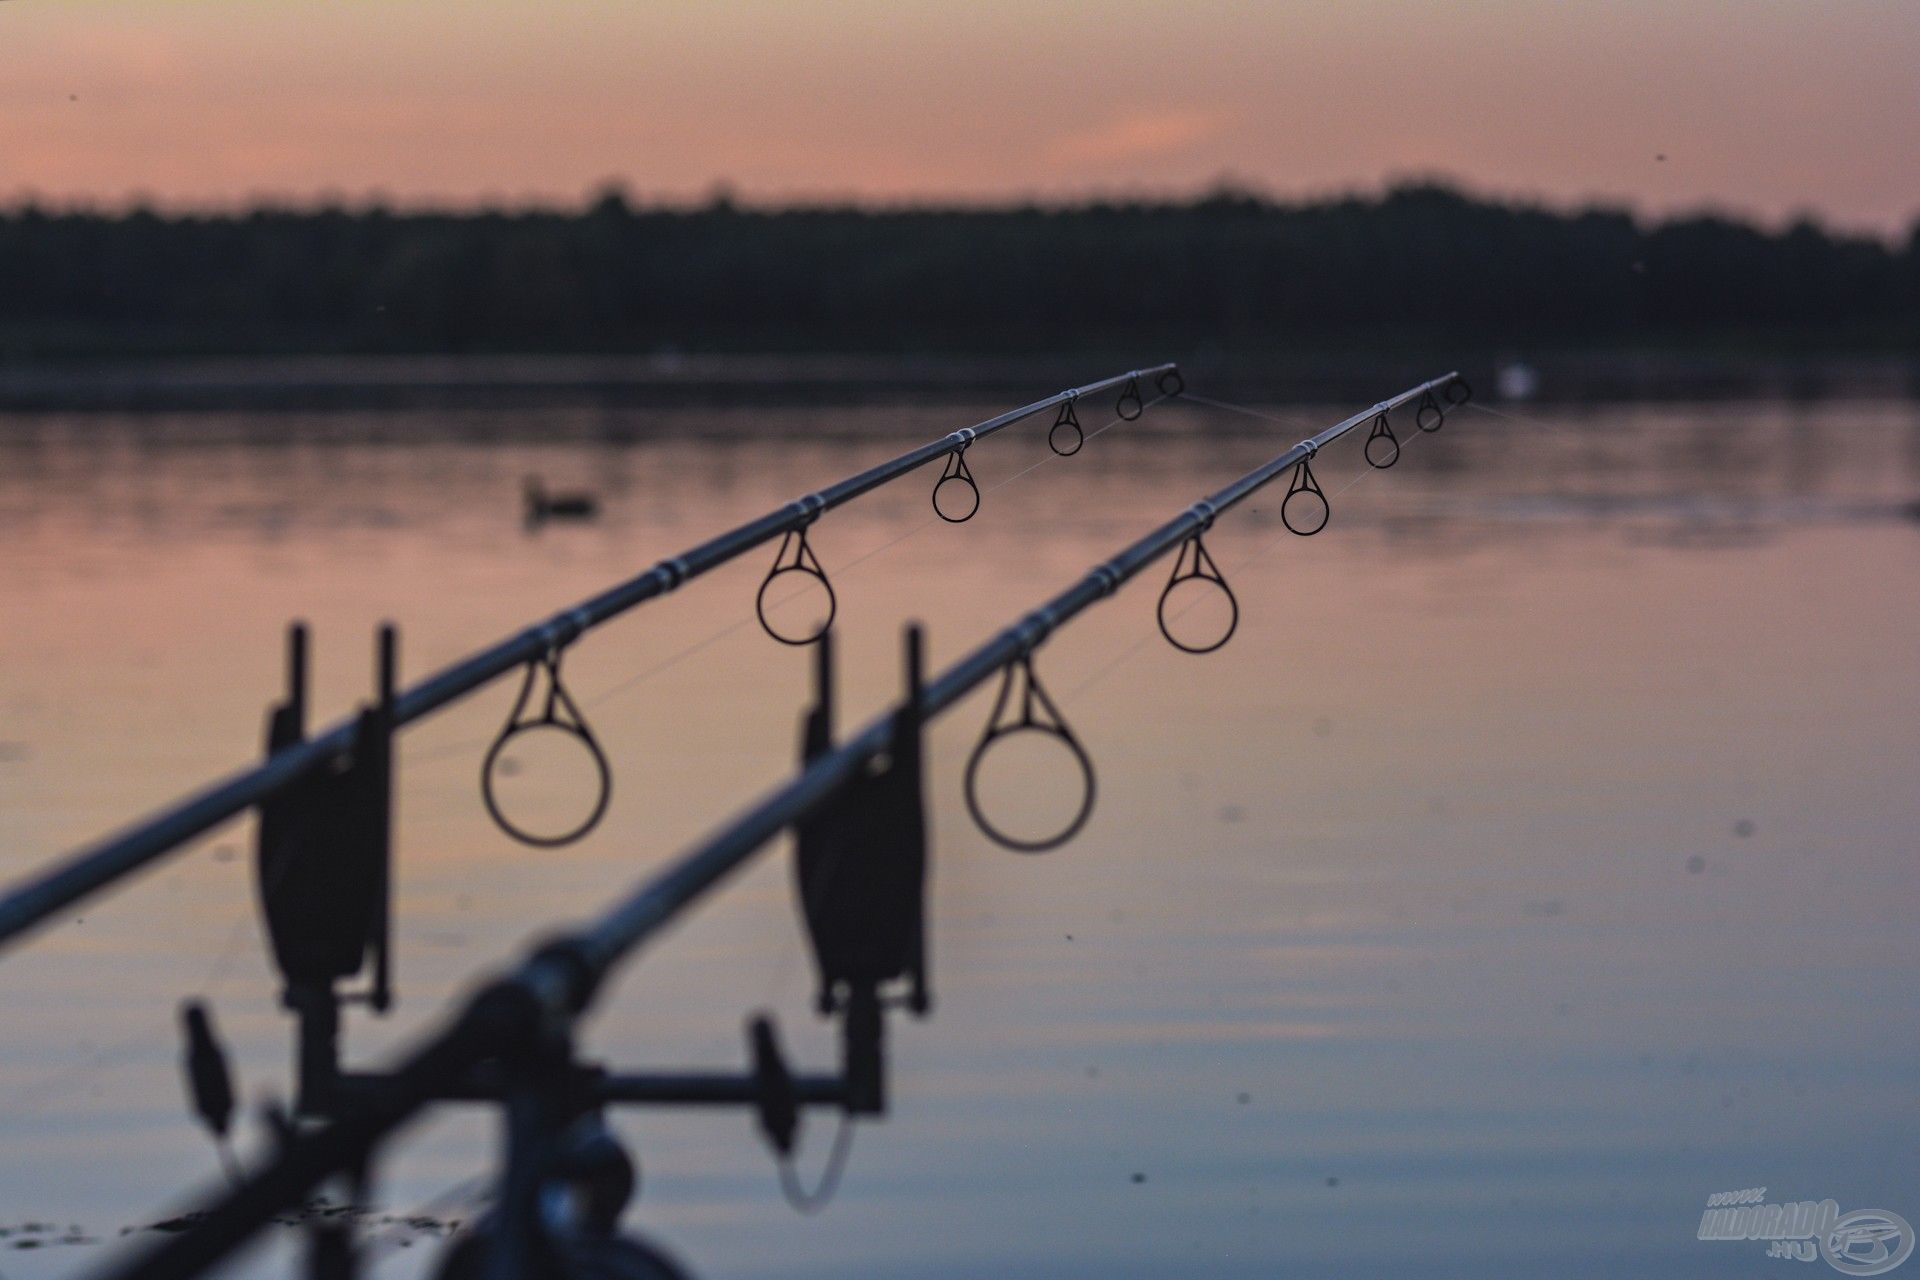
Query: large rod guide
855, 807
83, 872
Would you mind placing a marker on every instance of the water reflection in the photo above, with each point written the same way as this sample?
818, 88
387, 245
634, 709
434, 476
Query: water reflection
1534, 862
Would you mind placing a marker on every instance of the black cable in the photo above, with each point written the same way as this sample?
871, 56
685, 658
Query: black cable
812, 1202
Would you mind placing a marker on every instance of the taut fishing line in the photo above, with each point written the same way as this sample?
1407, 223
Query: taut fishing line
103, 1058
601, 698
1100, 673
720, 633
558, 699
1526, 420
450, 750
1285, 420
294, 760
1037, 711
861, 798
107, 1057
783, 975
795, 555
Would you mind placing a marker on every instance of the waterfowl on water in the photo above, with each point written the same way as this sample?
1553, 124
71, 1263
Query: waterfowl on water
542, 505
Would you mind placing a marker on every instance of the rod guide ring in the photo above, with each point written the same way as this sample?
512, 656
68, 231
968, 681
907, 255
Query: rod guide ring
803, 562
1382, 431
1303, 483
1037, 714
558, 712
1068, 418
1429, 410
956, 472
1203, 568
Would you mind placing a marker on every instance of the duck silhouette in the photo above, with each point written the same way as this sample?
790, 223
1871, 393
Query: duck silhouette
543, 506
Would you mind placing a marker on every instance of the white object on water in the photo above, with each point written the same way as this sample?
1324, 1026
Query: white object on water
1517, 380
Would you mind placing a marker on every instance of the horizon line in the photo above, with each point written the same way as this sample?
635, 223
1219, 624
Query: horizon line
723, 194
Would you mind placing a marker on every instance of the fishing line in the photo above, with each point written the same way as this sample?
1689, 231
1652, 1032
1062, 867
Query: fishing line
1286, 420
69, 1079
1429, 417
553, 986
452, 750
1401, 445
1526, 420
812, 1202
839, 570
783, 972
459, 749
1101, 673
224, 961
113, 1055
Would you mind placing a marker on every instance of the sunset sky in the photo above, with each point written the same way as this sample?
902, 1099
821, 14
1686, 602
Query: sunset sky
1762, 107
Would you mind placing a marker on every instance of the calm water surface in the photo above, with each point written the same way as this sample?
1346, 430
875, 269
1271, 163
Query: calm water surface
1537, 860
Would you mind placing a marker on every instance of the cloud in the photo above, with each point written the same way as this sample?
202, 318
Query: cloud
1137, 135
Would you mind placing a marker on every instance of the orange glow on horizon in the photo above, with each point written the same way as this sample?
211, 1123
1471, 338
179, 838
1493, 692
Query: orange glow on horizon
1763, 108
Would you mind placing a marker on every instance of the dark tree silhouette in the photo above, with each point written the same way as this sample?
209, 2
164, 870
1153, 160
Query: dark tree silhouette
1421, 264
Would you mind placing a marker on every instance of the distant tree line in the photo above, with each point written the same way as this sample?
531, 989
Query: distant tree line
1417, 265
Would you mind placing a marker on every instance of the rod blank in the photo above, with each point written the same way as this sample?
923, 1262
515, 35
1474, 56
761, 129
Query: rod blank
630, 923
559, 981
88, 870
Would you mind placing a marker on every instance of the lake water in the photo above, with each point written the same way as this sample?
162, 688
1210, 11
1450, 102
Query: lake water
1537, 860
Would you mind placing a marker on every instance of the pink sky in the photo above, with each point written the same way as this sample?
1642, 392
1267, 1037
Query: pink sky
1759, 106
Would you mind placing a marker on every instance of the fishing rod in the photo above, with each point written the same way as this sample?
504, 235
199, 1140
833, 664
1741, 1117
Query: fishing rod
861, 851
295, 758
